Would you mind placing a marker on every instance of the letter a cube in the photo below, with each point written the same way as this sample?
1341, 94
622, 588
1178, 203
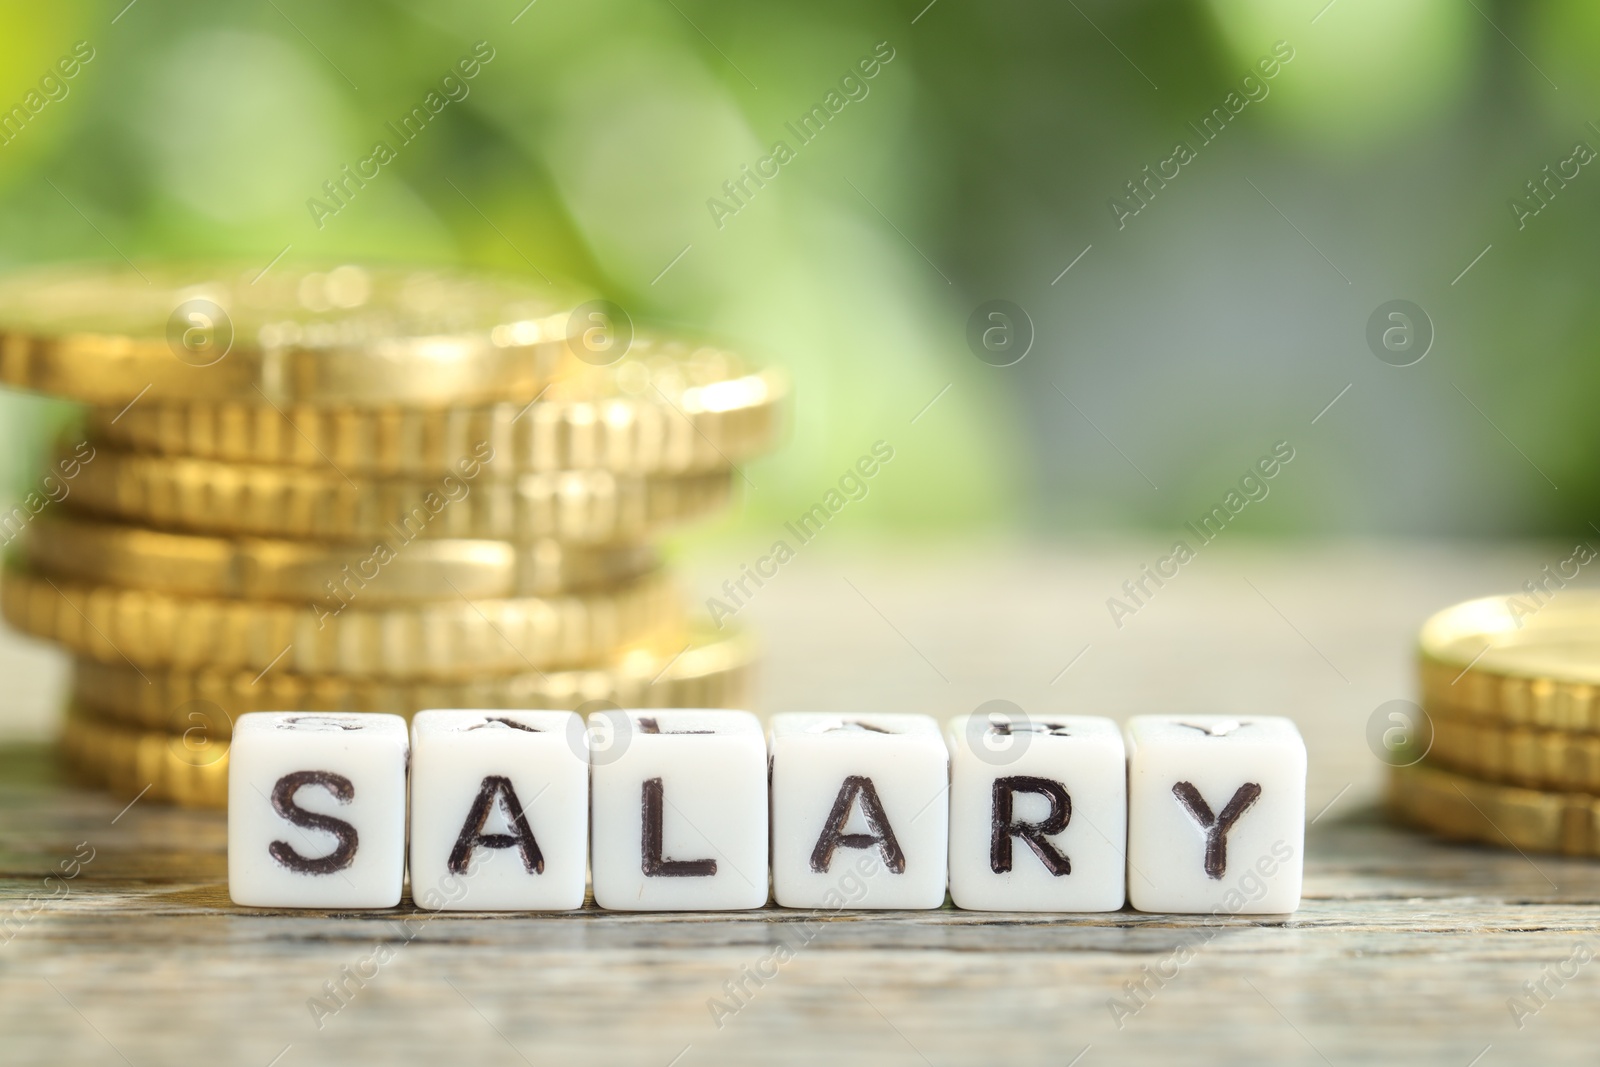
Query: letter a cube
317, 810
499, 810
1216, 814
860, 811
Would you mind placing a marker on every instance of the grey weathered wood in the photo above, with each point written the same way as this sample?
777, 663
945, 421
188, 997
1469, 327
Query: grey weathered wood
1406, 949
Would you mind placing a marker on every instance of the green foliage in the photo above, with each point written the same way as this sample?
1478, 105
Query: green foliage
974, 164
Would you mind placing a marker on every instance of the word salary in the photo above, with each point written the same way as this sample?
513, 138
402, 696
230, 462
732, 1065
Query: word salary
698, 810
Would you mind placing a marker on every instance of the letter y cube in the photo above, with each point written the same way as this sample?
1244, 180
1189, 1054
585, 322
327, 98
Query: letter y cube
1216, 814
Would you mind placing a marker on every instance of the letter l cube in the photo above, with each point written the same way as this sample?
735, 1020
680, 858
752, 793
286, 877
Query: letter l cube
679, 810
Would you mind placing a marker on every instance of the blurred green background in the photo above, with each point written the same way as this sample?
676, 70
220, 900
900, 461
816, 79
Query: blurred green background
978, 163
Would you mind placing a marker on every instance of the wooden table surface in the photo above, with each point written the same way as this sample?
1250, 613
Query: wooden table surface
1405, 949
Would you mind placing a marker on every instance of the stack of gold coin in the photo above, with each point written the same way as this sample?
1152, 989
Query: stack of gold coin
359, 489
1507, 750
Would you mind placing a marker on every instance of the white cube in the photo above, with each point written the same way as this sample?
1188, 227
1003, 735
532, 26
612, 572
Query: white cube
499, 810
859, 797
1038, 813
1216, 814
317, 810
679, 810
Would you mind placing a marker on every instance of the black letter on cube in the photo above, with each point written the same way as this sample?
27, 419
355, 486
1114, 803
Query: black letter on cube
283, 803
882, 834
649, 725
654, 865
472, 834
1034, 833
1216, 826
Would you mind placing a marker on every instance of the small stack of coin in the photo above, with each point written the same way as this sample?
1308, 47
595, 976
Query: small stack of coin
1510, 744
360, 489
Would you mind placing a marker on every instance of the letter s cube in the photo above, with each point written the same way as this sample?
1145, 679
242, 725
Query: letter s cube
317, 810
1216, 814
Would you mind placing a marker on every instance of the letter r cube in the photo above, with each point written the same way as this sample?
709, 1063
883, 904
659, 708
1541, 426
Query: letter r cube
1038, 812
1216, 814
317, 810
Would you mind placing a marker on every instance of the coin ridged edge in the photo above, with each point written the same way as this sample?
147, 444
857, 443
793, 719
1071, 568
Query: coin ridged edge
714, 673
106, 336
703, 427
387, 571
1516, 755
1461, 807
1542, 702
132, 762
447, 639
209, 497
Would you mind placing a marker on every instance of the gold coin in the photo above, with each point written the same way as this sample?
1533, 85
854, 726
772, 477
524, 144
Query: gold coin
675, 410
186, 763
1465, 808
1515, 659
186, 769
204, 496
1512, 635
330, 577
448, 639
1542, 703
347, 335
1538, 759
701, 670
